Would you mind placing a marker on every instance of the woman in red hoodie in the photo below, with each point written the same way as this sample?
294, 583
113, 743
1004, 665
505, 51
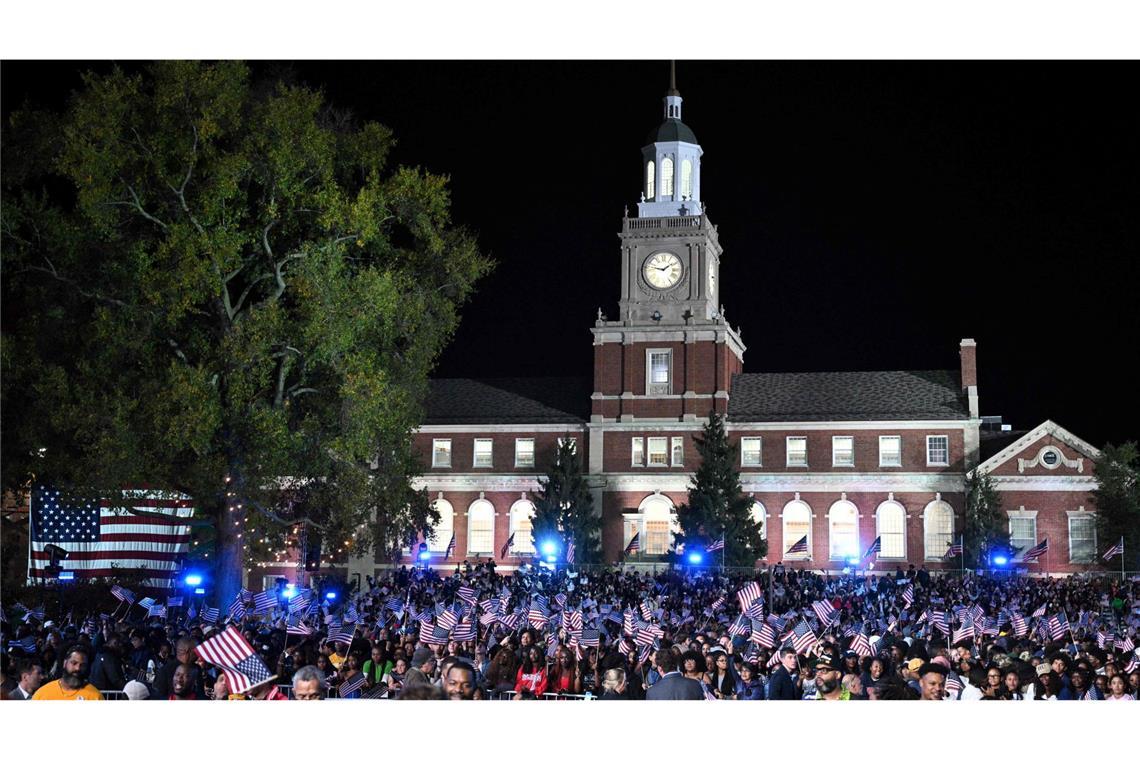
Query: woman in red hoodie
532, 673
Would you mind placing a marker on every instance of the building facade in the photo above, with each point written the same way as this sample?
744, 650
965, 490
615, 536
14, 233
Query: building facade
836, 458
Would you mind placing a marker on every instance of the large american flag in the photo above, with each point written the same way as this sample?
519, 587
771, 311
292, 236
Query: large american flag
102, 541
799, 547
634, 544
1115, 549
232, 653
876, 546
1036, 551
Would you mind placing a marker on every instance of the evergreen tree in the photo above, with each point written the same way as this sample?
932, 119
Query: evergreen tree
565, 506
1117, 499
986, 527
222, 287
716, 506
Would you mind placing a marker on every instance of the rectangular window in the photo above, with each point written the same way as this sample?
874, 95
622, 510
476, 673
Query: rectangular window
638, 452
658, 452
658, 363
892, 529
524, 452
482, 452
890, 451
797, 451
481, 534
441, 452
842, 451
937, 449
750, 452
1023, 532
657, 537
678, 447
1082, 538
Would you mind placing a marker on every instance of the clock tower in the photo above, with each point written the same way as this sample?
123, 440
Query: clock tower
671, 355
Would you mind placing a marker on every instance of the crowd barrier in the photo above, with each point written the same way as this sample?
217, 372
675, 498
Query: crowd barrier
113, 694
509, 695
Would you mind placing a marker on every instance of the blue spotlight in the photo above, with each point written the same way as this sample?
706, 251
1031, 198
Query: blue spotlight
425, 556
193, 580
330, 595
552, 558
200, 591
290, 591
696, 558
67, 575
852, 560
999, 560
549, 547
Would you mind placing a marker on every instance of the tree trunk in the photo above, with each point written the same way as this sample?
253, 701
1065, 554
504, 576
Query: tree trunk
230, 547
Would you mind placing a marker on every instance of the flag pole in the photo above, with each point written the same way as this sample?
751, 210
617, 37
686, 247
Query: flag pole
1122, 561
722, 552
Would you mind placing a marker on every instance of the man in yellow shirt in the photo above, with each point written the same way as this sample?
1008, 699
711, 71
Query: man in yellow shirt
73, 685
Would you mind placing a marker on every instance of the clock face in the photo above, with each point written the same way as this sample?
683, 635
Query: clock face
662, 270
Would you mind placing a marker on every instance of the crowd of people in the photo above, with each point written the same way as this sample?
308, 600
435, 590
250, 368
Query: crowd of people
610, 634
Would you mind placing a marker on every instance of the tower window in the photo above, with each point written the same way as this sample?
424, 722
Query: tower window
687, 178
650, 187
667, 177
658, 361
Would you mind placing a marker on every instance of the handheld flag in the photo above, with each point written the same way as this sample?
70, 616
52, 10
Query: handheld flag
507, 546
876, 546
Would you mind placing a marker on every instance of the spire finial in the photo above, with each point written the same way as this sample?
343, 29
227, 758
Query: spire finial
673, 78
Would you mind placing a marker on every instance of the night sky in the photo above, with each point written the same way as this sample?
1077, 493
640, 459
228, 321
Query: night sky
872, 213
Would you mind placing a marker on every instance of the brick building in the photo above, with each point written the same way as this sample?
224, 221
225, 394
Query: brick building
836, 457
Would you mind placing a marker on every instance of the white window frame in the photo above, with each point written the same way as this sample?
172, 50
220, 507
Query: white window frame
788, 451
759, 510
434, 444
1020, 515
835, 454
882, 461
518, 548
472, 547
490, 455
677, 451
929, 461
658, 389
785, 543
890, 504
445, 529
650, 181
759, 451
1092, 555
653, 506
686, 178
936, 553
844, 506
518, 462
637, 455
667, 178
663, 442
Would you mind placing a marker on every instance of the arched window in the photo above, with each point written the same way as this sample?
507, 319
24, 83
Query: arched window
650, 187
890, 526
655, 522
522, 512
687, 178
666, 178
760, 515
481, 527
446, 527
938, 529
843, 530
797, 524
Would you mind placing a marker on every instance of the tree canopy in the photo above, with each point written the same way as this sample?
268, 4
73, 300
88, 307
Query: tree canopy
1117, 499
566, 507
221, 286
986, 526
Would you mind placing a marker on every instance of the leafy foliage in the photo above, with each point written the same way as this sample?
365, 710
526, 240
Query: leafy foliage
716, 505
1117, 499
219, 286
986, 526
565, 506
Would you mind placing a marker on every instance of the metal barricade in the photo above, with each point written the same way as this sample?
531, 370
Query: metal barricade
509, 695
113, 695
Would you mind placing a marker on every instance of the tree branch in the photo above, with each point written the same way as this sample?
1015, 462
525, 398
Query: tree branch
50, 269
137, 205
191, 522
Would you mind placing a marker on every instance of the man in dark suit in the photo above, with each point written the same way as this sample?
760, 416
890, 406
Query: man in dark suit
672, 685
785, 681
31, 675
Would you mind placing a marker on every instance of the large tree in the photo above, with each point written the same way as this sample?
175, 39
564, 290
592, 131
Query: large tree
986, 527
1117, 499
716, 505
219, 286
566, 507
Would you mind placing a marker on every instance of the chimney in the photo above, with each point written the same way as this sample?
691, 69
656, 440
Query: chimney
968, 351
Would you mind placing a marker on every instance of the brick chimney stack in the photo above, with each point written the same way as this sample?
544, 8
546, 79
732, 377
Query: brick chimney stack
968, 351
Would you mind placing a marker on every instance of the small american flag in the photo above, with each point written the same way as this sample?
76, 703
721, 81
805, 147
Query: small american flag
210, 614
1115, 549
799, 547
156, 610
1104, 640
379, 691
353, 684
27, 645
264, 601
748, 594
467, 594
1039, 611
804, 637
717, 545
1036, 551
1125, 644
908, 597
634, 544
955, 549
591, 637
464, 631
296, 627
861, 645
122, 594
570, 552
764, 635
447, 619
174, 601
1092, 695
232, 653
433, 635
740, 627
953, 684
824, 611
343, 634
300, 600
965, 632
507, 546
450, 547
1020, 627
146, 603
718, 603
1058, 626
876, 546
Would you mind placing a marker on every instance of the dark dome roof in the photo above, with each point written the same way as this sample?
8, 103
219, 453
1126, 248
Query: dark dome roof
671, 130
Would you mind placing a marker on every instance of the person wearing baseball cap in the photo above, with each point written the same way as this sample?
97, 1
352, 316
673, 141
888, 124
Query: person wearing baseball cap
829, 676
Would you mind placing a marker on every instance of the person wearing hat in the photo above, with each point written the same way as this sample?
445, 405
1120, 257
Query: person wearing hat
423, 663
851, 662
829, 676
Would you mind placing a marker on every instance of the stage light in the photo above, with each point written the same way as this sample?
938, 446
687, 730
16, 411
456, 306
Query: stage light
67, 575
552, 559
696, 558
193, 580
330, 595
549, 547
425, 556
999, 560
853, 560
289, 591
201, 591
